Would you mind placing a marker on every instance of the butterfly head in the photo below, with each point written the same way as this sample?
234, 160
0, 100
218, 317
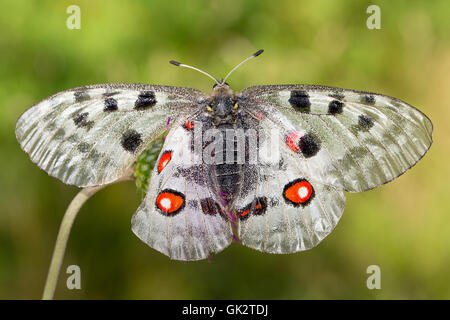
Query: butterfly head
222, 105
220, 84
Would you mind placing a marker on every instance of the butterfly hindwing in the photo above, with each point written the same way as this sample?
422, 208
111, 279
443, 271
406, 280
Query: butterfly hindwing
273, 218
181, 216
92, 135
283, 207
363, 139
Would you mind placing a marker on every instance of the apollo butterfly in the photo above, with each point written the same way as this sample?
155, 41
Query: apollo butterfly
268, 166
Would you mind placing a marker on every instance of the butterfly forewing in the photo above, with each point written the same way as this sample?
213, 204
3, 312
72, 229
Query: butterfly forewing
364, 139
92, 135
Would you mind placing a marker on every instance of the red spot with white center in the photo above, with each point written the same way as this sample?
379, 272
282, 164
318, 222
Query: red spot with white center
292, 140
298, 191
170, 202
165, 159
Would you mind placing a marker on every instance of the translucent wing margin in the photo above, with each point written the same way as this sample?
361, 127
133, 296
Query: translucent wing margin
363, 139
92, 135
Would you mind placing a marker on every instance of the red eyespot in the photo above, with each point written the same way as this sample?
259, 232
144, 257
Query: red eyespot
260, 115
298, 191
292, 140
188, 125
244, 213
170, 201
256, 207
165, 159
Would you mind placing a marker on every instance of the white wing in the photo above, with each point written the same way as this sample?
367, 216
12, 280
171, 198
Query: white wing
92, 135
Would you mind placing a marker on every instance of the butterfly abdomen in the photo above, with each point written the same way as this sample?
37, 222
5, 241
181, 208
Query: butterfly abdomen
228, 177
227, 171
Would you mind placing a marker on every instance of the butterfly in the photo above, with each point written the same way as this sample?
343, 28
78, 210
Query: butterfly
266, 167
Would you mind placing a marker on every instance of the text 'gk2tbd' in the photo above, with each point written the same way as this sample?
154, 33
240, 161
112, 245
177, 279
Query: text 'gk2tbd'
266, 167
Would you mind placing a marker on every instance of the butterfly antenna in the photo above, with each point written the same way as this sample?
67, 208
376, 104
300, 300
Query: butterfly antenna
175, 63
257, 53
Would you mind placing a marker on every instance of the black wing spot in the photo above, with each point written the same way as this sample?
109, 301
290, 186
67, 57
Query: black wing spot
365, 122
80, 119
300, 101
110, 105
335, 107
309, 145
368, 99
84, 147
257, 207
81, 96
131, 140
146, 99
260, 206
208, 206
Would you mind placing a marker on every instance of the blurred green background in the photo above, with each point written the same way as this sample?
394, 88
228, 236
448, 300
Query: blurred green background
404, 226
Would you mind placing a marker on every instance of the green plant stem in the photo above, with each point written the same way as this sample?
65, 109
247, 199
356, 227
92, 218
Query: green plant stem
63, 236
